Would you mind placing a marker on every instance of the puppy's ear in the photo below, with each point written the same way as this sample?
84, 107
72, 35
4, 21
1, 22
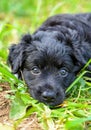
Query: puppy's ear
81, 47
16, 54
83, 54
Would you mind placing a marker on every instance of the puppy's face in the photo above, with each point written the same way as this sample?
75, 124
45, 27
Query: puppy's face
48, 66
48, 70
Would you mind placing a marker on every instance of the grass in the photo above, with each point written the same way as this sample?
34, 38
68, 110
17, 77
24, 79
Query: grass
16, 19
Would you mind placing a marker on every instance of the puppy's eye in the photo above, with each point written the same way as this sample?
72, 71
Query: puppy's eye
35, 70
63, 72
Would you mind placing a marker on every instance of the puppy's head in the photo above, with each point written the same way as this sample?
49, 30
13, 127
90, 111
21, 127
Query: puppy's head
48, 65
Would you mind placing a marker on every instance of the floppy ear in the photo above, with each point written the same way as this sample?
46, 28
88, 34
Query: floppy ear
16, 54
83, 54
81, 46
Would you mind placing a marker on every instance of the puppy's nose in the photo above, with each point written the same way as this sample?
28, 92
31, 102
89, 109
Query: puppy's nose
48, 96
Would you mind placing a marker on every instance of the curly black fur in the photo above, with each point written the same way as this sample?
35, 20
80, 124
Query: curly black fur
51, 57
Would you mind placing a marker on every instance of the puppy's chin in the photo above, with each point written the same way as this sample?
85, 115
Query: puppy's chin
53, 104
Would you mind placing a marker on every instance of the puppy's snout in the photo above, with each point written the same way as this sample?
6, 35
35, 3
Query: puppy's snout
48, 96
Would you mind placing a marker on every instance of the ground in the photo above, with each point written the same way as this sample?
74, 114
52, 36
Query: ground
27, 124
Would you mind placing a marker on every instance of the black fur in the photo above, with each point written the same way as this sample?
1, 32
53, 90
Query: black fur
51, 57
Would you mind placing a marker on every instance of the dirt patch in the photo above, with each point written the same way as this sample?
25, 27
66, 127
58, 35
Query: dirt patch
30, 123
4, 103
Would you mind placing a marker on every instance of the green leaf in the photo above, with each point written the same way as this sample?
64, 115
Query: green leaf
18, 108
76, 124
79, 113
26, 98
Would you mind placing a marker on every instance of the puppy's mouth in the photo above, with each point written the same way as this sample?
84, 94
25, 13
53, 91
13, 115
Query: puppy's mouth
55, 102
52, 104
50, 98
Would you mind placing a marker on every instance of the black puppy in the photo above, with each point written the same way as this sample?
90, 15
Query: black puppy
51, 57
